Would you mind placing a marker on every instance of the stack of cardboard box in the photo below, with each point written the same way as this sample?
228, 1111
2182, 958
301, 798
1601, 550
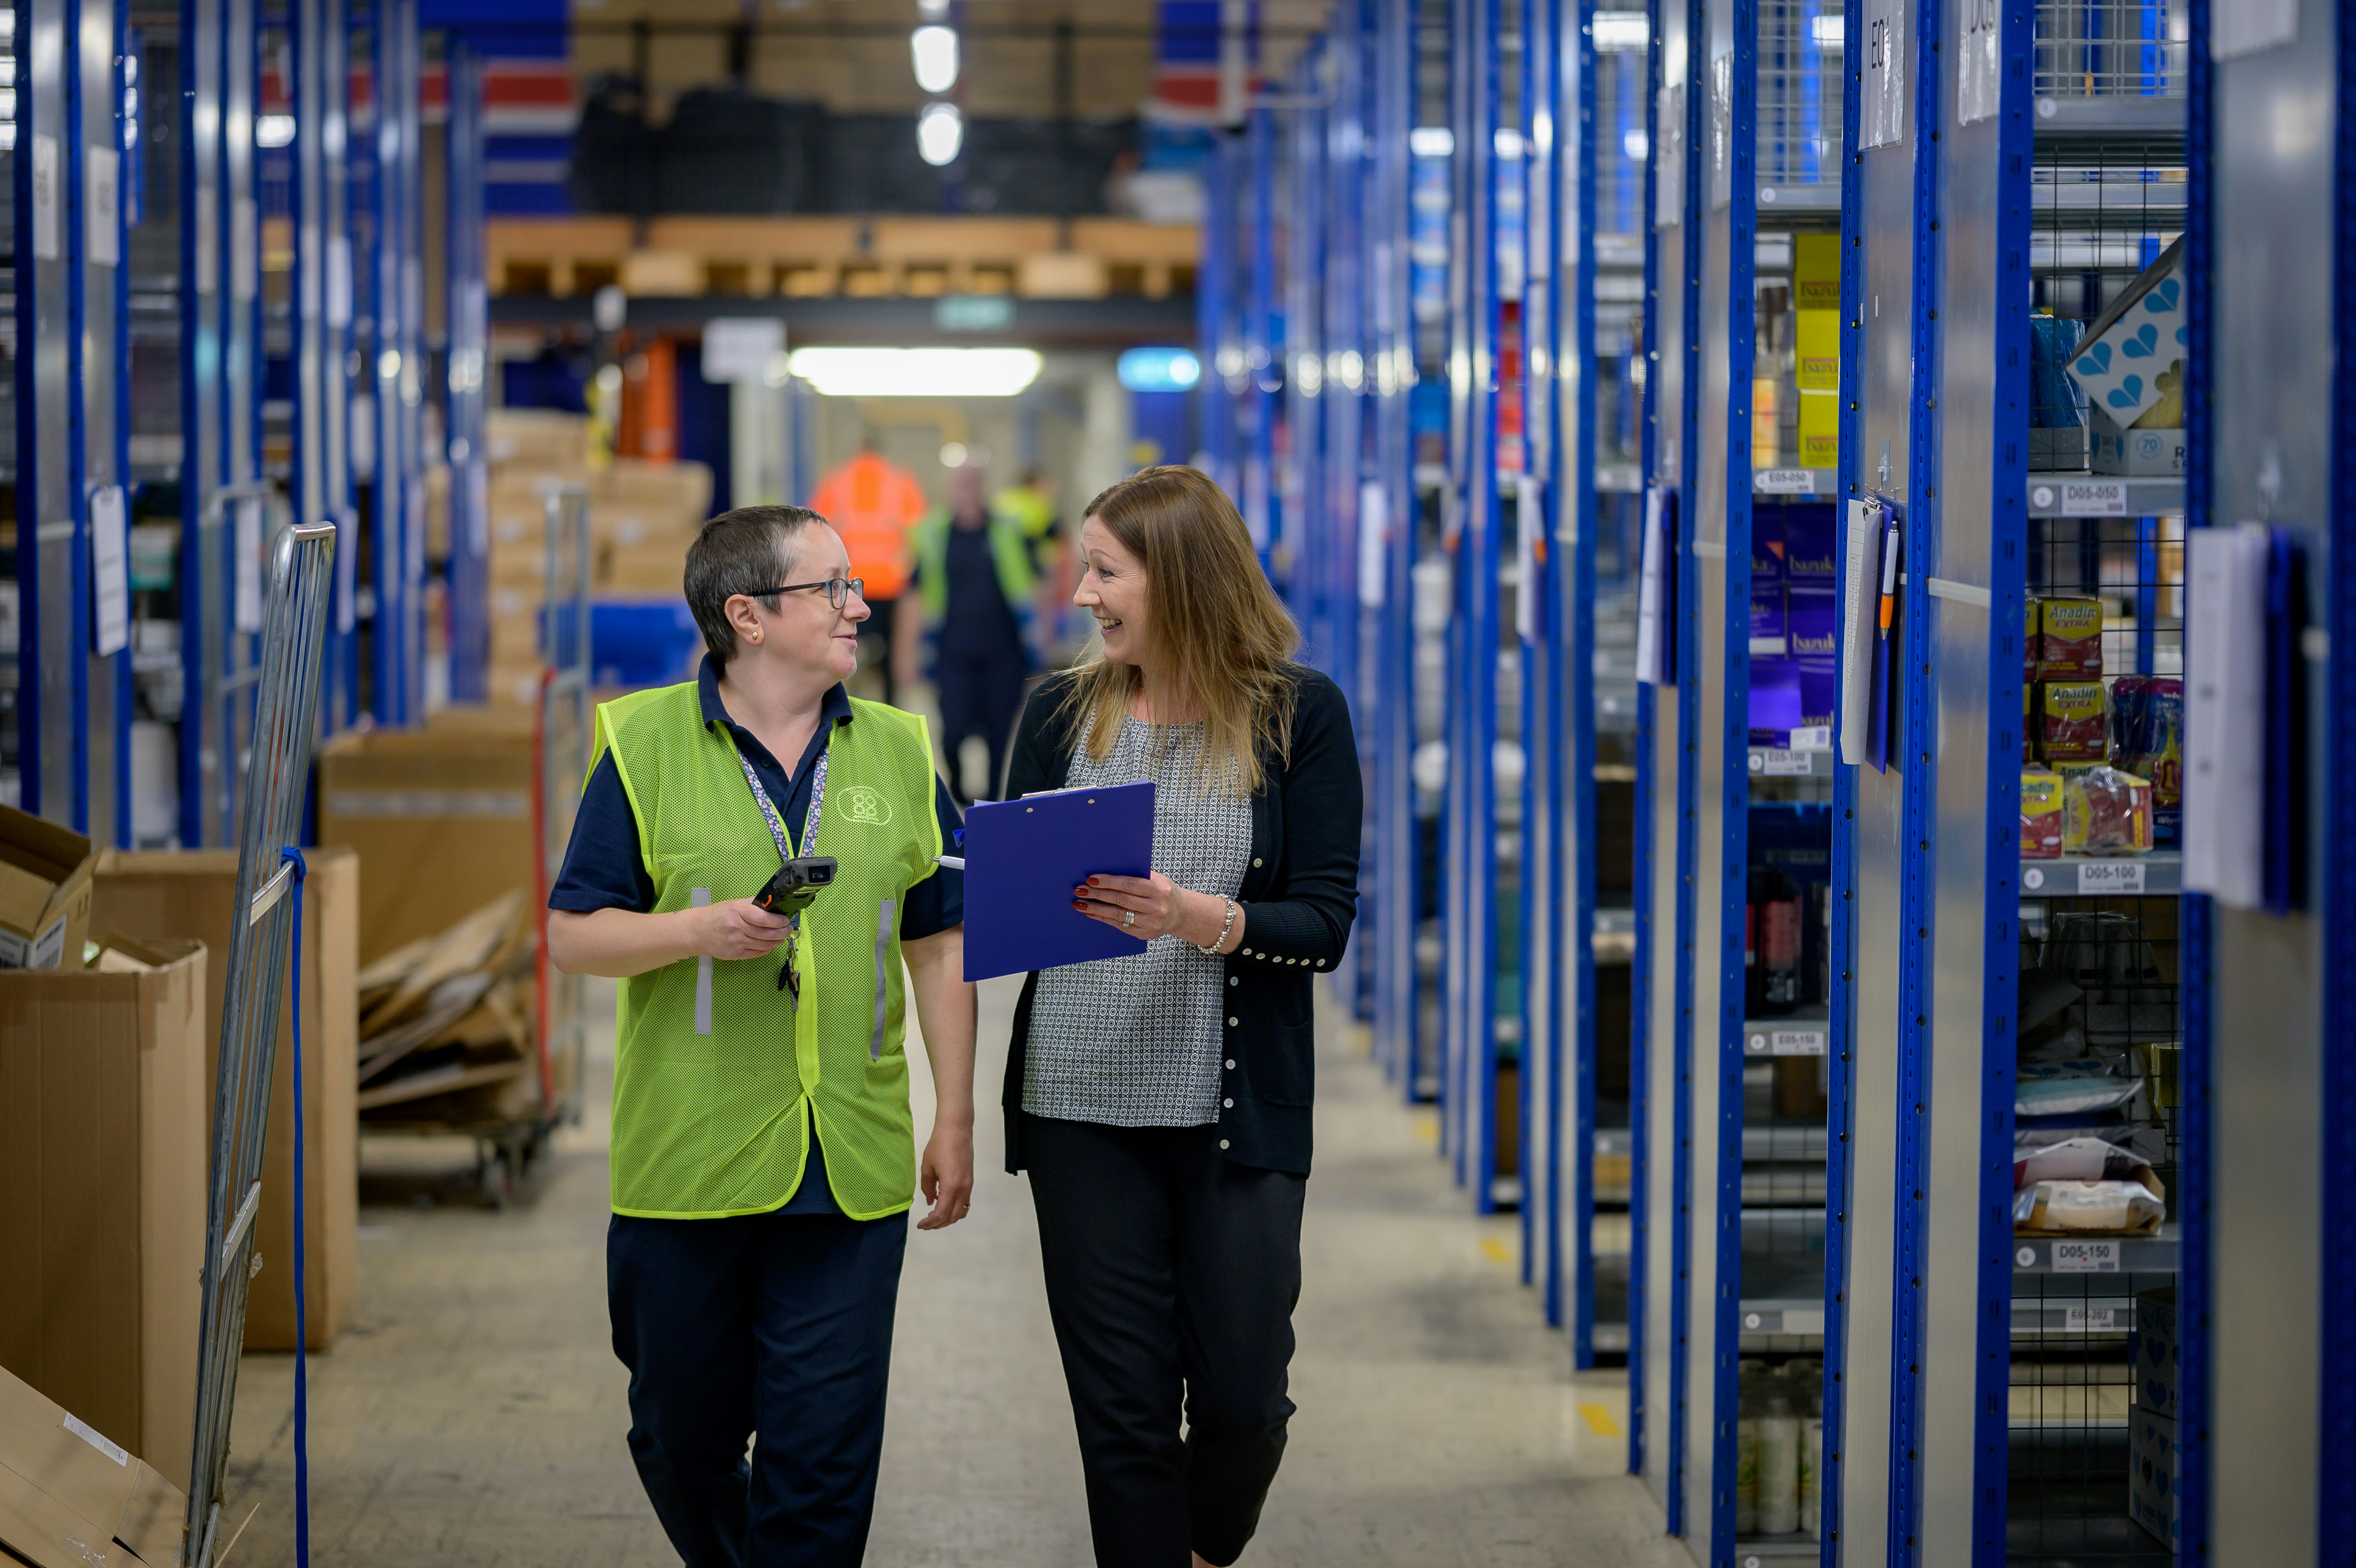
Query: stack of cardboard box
642, 516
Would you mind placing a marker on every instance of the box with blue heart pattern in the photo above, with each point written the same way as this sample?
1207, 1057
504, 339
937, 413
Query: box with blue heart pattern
2133, 356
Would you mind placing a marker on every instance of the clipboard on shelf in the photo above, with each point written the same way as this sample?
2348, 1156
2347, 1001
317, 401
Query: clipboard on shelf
1023, 858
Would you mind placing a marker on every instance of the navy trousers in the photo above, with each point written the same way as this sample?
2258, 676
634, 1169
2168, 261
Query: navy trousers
771, 1326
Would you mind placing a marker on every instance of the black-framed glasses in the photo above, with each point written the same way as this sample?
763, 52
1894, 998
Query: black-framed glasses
838, 590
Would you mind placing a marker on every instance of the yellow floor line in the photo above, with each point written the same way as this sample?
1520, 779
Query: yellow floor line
1598, 1420
1497, 1250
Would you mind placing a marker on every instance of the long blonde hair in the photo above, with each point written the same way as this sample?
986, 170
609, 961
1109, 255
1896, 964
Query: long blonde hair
1212, 618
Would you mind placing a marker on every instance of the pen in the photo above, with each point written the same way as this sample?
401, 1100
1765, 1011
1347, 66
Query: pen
1888, 579
954, 862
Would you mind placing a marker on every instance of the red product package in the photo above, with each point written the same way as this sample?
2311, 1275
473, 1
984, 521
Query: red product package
2104, 810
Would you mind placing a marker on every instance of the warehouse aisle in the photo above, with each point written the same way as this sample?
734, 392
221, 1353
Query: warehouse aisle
474, 1413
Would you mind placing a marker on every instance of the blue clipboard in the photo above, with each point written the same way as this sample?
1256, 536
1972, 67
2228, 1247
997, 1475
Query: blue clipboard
1023, 858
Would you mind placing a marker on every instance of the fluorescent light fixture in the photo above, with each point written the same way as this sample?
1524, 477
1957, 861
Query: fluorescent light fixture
933, 10
953, 454
1158, 369
1509, 143
1622, 32
940, 131
273, 131
1830, 32
917, 372
933, 50
1636, 144
1431, 141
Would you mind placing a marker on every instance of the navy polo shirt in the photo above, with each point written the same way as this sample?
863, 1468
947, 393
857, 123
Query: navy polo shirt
604, 870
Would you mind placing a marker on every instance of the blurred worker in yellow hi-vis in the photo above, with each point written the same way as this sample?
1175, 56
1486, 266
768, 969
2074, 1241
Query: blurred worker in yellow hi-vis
1030, 507
872, 502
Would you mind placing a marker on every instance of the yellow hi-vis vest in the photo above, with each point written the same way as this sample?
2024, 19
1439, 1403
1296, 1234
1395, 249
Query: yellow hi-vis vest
718, 1077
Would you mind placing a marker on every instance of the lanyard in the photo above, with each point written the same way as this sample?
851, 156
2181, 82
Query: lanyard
777, 824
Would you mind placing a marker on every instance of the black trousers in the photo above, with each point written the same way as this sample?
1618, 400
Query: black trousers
1171, 1276
774, 1327
980, 695
883, 614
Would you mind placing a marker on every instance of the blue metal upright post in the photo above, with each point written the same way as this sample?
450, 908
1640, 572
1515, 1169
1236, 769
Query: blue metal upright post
466, 304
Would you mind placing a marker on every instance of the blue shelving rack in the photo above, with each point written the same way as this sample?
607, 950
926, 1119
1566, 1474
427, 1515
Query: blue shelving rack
467, 358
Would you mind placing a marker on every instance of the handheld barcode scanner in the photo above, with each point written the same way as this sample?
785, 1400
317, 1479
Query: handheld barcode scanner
796, 883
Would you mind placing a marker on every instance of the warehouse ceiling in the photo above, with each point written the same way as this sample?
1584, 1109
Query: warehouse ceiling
1089, 59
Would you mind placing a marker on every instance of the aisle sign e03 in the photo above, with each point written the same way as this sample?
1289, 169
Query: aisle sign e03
1979, 71
1884, 108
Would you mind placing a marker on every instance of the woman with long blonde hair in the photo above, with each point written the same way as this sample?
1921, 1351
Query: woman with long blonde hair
1160, 1100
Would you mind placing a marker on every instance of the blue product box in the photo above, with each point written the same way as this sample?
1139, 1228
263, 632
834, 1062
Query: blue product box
1813, 610
1811, 536
1775, 703
1769, 627
1819, 690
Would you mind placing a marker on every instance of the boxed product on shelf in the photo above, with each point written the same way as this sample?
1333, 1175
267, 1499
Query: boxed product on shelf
2064, 638
2072, 720
2136, 453
2090, 1208
1768, 624
536, 439
1811, 535
1819, 691
2154, 1455
2104, 810
2079, 1087
2040, 814
2130, 365
1811, 611
1776, 708
2154, 1352
2147, 740
2038, 1156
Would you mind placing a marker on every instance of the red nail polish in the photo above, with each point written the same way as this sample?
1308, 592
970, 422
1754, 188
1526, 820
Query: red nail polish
1094, 883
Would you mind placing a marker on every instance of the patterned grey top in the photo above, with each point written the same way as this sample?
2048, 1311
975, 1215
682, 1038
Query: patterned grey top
1135, 1041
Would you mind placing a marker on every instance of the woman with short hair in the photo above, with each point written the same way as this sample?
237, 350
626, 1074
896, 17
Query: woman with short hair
1160, 1100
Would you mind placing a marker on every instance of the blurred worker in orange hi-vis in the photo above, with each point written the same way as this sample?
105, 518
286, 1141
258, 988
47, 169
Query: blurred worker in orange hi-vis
872, 502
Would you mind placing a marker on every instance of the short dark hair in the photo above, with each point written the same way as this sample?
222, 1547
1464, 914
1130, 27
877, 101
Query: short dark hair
739, 552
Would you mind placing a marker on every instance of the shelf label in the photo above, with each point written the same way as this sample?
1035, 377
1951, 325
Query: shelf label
2109, 876
1814, 737
2094, 497
2090, 1319
1979, 66
1784, 481
1786, 1042
2085, 1257
1885, 75
1780, 762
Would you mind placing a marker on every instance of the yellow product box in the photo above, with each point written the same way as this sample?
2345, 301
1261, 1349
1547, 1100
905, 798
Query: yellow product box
2068, 638
2040, 814
1816, 280
1819, 429
2072, 720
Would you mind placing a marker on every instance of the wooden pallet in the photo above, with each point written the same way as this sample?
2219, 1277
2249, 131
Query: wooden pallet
881, 257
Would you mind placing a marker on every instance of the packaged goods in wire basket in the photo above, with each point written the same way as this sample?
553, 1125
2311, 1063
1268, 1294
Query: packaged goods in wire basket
2067, 638
2147, 740
2104, 810
2071, 721
2097, 1207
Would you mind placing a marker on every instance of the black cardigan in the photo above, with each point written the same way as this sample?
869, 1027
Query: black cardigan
1298, 896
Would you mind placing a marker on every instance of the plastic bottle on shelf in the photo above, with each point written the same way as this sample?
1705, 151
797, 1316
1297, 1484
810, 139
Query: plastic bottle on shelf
1778, 1463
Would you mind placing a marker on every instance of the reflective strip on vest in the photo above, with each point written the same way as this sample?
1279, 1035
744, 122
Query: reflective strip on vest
718, 1075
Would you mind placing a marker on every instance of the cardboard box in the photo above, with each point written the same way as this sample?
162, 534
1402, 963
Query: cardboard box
2133, 453
2155, 1455
156, 894
2131, 361
2155, 1351
441, 817
104, 1103
44, 891
536, 438
68, 1492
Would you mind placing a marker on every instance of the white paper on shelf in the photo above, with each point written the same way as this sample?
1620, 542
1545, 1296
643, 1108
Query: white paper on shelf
1648, 594
2224, 714
110, 570
1861, 624
246, 552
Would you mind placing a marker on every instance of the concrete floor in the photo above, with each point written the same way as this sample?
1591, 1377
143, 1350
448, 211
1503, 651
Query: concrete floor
472, 1415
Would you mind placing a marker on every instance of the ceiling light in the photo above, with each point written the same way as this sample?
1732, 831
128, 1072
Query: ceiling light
1508, 143
917, 372
1622, 32
934, 52
273, 130
1158, 369
1828, 31
940, 131
1431, 141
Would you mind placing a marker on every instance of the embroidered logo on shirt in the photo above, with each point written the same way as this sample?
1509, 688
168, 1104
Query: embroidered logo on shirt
863, 804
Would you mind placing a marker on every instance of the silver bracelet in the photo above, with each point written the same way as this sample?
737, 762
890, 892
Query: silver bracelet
1213, 951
